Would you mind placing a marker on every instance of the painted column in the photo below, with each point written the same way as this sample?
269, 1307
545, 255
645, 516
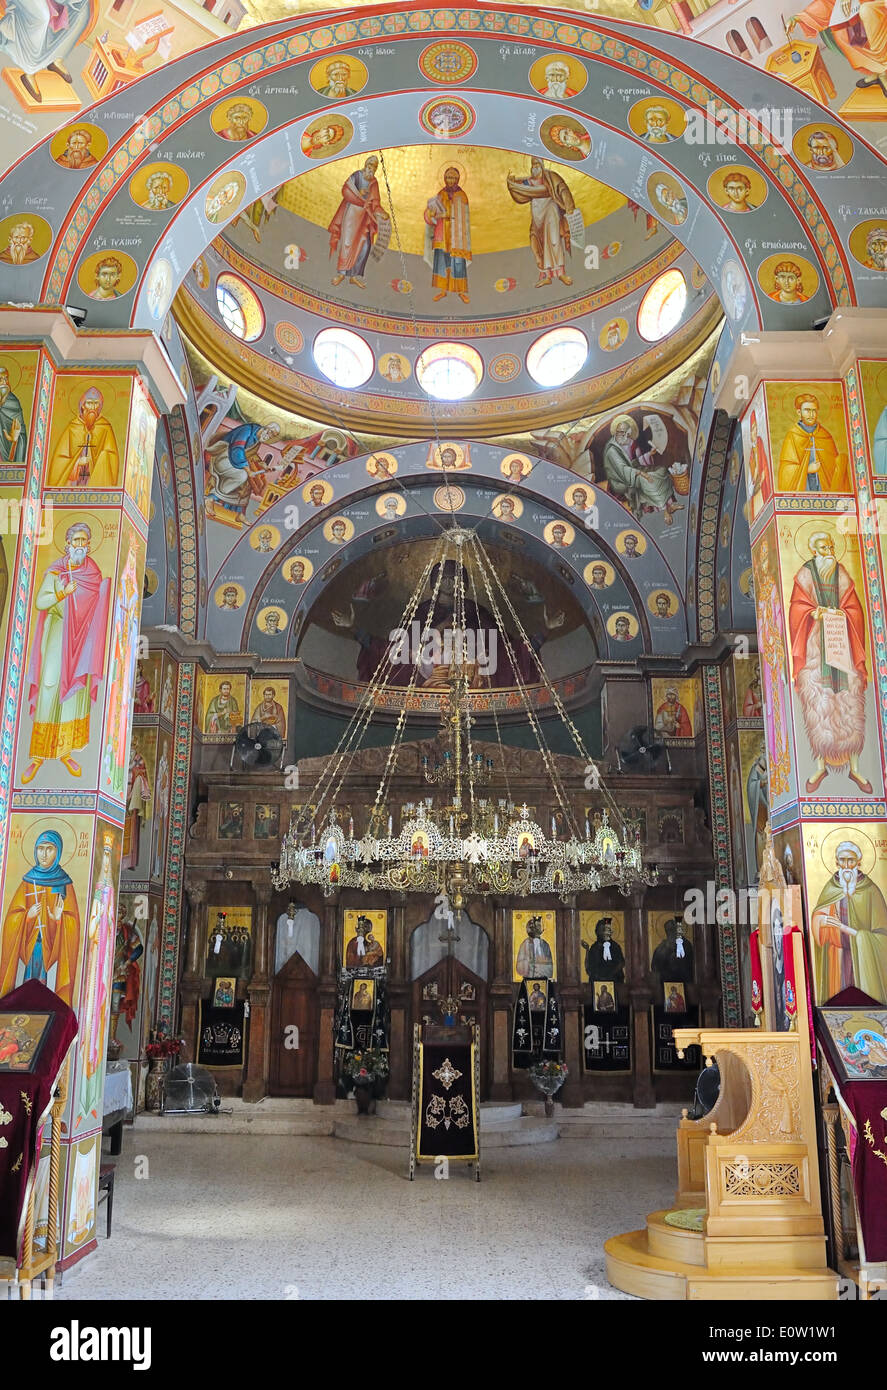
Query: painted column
814, 428
78, 415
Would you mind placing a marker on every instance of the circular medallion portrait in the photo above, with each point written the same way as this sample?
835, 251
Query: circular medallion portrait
272, 621
663, 603
326, 135
394, 367
339, 77
447, 117
598, 574
264, 539
737, 188
448, 61
391, 505
613, 334
560, 534
515, 467
108, 275
158, 187
631, 544
298, 570
239, 120
338, 530
657, 120
507, 508
224, 196
381, 466
868, 244
151, 582
201, 273
24, 240
230, 597
79, 146
668, 199
317, 492
565, 138
823, 147
698, 276
788, 279
558, 76
579, 497
622, 627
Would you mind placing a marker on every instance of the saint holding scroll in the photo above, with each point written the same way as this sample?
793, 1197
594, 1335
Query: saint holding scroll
827, 627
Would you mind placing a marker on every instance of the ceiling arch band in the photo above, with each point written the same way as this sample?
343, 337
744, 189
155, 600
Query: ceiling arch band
634, 573
174, 126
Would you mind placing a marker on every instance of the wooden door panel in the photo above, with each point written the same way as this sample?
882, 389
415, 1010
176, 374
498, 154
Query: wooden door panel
450, 977
293, 1007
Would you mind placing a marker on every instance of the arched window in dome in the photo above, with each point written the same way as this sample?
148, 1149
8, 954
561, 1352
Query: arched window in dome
557, 356
343, 357
662, 306
239, 308
449, 371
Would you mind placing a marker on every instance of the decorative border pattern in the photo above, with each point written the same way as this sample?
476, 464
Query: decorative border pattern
720, 823
433, 701
175, 847
867, 536
18, 609
490, 327
709, 519
184, 495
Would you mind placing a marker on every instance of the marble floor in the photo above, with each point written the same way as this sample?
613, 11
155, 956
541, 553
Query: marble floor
262, 1217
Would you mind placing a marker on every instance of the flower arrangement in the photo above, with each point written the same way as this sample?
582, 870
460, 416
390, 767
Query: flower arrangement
163, 1046
366, 1066
550, 1069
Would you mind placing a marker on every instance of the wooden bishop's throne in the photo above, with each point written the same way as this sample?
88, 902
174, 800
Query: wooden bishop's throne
747, 1219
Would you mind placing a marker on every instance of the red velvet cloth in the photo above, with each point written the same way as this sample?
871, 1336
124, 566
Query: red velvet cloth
25, 1096
865, 1100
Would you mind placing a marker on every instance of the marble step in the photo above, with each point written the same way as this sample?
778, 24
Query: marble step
378, 1129
320, 1122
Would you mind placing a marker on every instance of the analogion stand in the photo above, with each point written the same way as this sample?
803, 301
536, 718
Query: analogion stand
445, 1124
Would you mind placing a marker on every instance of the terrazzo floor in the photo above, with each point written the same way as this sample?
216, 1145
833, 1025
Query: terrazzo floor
259, 1217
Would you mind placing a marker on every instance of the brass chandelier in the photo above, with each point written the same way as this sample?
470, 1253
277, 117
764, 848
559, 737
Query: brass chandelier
460, 843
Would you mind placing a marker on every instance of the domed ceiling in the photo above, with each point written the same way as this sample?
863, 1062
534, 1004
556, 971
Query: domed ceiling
279, 264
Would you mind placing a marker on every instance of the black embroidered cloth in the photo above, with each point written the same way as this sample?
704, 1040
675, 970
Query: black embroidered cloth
220, 1036
536, 1028
447, 1102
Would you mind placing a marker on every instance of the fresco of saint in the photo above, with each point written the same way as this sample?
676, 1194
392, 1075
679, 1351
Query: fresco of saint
67, 654
41, 929
100, 937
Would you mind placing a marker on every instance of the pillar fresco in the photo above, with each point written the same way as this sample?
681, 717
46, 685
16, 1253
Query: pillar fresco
78, 441
814, 445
